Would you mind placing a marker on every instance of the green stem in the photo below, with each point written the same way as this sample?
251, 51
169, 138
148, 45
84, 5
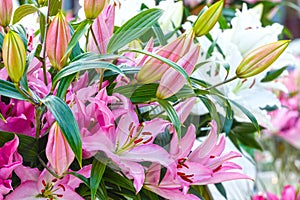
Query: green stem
48, 169
101, 71
26, 94
44, 48
222, 83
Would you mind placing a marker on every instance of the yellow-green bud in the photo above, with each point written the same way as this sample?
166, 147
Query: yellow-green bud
260, 59
92, 8
14, 56
207, 20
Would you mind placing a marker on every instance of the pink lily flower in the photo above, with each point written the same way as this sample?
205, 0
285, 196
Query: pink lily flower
9, 160
42, 185
289, 193
103, 28
172, 81
152, 69
215, 166
58, 151
131, 143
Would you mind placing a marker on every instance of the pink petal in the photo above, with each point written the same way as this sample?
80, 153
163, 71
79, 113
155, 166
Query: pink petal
206, 147
182, 149
26, 191
174, 194
27, 173
288, 193
151, 153
183, 109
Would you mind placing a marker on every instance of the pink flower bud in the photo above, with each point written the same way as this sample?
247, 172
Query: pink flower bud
14, 56
58, 37
153, 69
6, 8
172, 81
58, 151
92, 8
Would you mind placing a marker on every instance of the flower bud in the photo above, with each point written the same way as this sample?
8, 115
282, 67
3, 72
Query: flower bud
58, 151
260, 59
172, 81
14, 56
6, 8
207, 20
58, 38
41, 2
92, 8
153, 69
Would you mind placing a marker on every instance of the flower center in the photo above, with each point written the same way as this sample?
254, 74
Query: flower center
51, 190
135, 138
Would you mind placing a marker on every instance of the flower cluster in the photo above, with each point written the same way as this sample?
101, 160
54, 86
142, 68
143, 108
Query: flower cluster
114, 116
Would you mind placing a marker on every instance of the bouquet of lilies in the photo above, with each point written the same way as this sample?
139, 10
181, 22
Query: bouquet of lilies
91, 110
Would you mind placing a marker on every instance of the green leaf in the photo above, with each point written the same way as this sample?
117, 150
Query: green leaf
228, 120
172, 64
1, 40
76, 50
22, 11
159, 34
133, 29
67, 123
79, 32
8, 89
244, 127
54, 7
172, 114
248, 140
144, 93
221, 189
248, 114
64, 85
97, 172
28, 146
273, 74
212, 110
42, 27
115, 178
80, 65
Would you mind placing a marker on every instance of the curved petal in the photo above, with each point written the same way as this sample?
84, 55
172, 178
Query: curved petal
26, 191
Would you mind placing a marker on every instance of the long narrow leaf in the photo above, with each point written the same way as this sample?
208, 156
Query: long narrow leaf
172, 64
8, 89
98, 169
80, 30
67, 123
172, 114
78, 66
133, 29
250, 116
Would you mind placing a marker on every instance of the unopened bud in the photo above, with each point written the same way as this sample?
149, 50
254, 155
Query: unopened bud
92, 8
14, 56
6, 8
260, 59
207, 20
58, 38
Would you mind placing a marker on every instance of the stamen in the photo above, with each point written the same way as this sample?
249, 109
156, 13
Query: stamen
212, 156
145, 142
63, 187
217, 169
60, 195
44, 183
253, 83
130, 126
54, 180
146, 133
138, 141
